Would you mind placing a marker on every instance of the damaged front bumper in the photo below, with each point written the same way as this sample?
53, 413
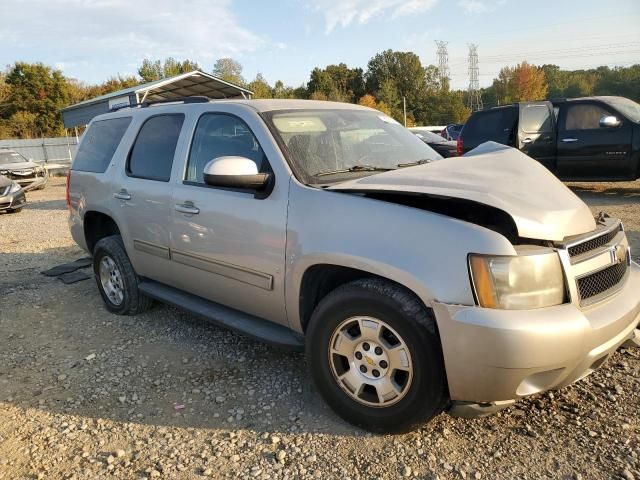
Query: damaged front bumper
494, 357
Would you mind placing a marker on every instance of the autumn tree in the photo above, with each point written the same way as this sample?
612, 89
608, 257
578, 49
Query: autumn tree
521, 83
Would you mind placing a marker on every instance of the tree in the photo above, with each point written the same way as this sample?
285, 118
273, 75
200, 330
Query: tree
368, 100
521, 83
228, 70
260, 87
337, 82
35, 95
156, 70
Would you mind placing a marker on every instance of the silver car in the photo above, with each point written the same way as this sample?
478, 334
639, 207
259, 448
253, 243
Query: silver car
415, 284
28, 174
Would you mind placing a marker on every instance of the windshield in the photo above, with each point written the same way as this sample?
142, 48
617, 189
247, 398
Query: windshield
628, 108
11, 157
328, 146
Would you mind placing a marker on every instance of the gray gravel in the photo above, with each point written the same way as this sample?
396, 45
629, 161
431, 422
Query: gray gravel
86, 394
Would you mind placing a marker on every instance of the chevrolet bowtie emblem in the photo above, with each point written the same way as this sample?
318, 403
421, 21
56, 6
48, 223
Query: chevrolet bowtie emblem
370, 361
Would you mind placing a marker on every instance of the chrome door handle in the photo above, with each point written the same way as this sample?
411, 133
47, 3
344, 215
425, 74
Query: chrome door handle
122, 195
569, 140
187, 208
527, 140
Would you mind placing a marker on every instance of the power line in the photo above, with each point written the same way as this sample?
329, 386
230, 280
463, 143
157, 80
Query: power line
475, 99
443, 61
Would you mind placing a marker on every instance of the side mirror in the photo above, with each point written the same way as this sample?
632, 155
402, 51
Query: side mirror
609, 121
235, 172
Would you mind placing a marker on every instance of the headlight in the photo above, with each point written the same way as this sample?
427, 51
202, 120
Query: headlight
518, 282
14, 187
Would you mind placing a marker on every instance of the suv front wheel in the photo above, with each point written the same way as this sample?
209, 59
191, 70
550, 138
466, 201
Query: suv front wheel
117, 280
375, 356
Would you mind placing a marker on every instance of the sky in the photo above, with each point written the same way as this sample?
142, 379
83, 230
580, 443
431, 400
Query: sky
92, 40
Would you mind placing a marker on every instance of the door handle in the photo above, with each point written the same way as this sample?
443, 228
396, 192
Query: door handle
122, 195
187, 207
569, 140
527, 140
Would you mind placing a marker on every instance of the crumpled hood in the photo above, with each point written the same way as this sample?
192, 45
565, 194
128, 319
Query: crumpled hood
18, 166
541, 206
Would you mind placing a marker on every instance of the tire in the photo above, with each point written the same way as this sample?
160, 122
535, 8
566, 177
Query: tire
120, 292
400, 316
15, 210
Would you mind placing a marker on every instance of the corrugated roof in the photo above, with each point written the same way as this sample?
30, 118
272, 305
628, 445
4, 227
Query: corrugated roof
183, 85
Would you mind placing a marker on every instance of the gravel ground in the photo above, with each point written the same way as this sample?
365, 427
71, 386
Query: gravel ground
86, 394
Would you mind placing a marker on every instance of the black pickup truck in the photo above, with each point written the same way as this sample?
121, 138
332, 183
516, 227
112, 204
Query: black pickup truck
580, 139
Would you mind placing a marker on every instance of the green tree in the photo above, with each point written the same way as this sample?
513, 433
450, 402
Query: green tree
229, 70
260, 87
152, 70
337, 82
35, 95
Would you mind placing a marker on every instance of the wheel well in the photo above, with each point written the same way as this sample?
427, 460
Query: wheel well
320, 280
97, 226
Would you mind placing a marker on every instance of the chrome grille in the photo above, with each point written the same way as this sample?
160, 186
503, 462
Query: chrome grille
593, 244
602, 281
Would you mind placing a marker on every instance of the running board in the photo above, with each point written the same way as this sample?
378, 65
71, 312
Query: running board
240, 322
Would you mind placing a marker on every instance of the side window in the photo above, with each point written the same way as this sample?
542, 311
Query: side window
221, 135
535, 118
584, 117
152, 154
99, 143
496, 125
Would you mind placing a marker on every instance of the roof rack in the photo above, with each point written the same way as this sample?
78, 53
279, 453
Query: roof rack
192, 99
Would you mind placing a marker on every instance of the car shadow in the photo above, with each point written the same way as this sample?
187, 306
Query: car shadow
609, 195
46, 204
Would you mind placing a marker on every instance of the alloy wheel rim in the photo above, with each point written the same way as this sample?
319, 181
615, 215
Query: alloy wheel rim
111, 280
370, 361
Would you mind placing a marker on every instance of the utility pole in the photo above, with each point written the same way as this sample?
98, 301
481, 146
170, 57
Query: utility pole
475, 99
404, 109
443, 61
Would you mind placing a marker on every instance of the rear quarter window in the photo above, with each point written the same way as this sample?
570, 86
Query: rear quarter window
491, 125
99, 144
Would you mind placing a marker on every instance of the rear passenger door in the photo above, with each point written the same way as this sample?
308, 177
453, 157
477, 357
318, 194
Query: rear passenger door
228, 245
143, 194
588, 151
536, 132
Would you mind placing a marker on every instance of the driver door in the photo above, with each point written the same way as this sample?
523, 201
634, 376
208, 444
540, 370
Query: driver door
228, 245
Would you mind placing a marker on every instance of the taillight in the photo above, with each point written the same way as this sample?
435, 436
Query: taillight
67, 191
459, 146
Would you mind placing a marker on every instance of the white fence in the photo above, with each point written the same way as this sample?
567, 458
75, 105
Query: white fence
44, 150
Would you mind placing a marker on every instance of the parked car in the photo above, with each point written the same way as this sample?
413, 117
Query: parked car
580, 139
12, 198
452, 131
414, 286
446, 148
28, 174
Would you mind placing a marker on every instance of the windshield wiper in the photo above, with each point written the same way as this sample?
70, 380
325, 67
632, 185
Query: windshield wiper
355, 168
417, 162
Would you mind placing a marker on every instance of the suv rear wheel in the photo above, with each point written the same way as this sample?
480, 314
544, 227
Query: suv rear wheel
117, 280
375, 356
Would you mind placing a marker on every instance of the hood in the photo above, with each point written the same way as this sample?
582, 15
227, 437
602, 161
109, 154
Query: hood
541, 206
18, 166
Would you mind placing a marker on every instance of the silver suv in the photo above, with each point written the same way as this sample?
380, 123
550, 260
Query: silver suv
415, 284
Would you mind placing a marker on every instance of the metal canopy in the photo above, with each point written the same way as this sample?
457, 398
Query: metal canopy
184, 85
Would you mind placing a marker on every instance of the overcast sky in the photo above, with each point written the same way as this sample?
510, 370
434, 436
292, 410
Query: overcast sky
94, 39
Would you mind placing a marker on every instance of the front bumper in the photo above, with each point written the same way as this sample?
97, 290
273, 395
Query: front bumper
32, 183
13, 201
501, 355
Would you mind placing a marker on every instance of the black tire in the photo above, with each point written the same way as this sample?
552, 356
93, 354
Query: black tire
427, 395
15, 210
133, 301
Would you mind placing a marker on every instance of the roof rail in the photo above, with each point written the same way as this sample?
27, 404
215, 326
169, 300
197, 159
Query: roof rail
192, 99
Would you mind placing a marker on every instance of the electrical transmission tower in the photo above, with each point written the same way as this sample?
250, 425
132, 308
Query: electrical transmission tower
443, 61
475, 99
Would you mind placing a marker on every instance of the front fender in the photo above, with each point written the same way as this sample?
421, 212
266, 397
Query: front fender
423, 251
